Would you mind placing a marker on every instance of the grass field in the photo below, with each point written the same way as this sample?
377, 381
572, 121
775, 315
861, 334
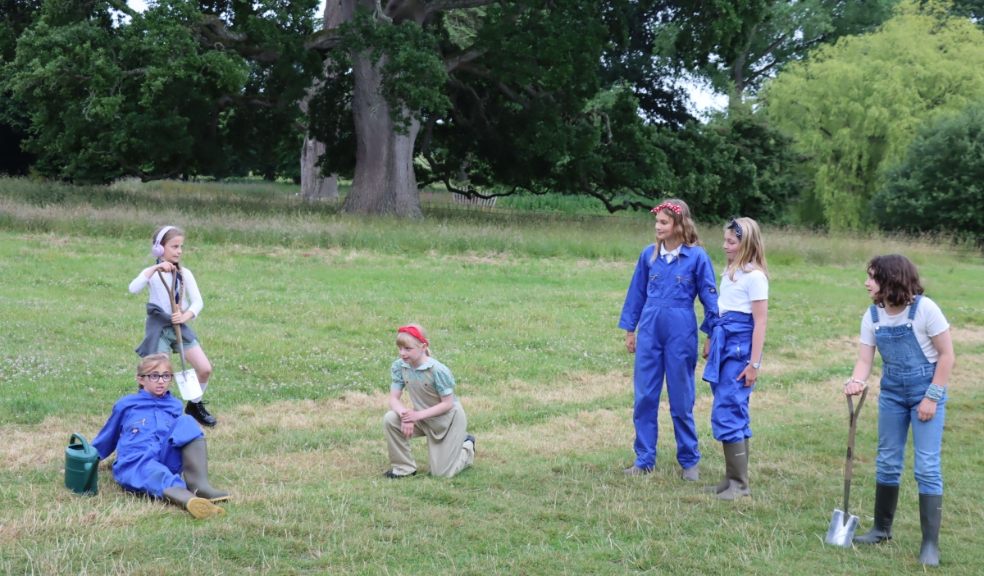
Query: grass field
300, 317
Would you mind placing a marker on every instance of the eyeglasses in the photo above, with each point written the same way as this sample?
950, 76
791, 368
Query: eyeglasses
155, 377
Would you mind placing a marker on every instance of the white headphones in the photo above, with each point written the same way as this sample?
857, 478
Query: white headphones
156, 248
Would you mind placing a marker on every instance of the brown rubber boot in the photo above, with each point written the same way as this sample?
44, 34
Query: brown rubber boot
198, 507
736, 457
195, 459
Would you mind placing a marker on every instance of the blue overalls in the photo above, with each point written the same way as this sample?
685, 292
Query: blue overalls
731, 350
659, 306
147, 433
906, 374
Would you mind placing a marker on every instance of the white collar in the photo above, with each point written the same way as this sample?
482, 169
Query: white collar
675, 252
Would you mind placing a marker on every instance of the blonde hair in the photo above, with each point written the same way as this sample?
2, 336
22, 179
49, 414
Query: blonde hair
751, 250
151, 361
683, 223
408, 341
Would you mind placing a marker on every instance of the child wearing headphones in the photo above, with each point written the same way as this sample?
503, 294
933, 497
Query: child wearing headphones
161, 279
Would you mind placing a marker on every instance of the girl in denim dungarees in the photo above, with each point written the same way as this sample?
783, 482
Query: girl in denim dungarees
913, 338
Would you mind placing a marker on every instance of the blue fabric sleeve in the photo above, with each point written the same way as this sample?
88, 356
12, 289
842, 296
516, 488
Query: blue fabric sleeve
635, 297
707, 291
105, 442
396, 371
443, 380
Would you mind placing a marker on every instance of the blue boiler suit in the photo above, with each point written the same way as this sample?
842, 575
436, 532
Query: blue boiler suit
147, 433
731, 351
906, 374
659, 305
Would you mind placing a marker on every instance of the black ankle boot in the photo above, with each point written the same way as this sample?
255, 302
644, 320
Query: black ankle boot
886, 499
930, 515
197, 411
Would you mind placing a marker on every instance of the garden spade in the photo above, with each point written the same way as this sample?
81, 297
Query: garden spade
843, 524
187, 379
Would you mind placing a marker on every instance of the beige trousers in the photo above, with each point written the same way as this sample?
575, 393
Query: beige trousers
447, 451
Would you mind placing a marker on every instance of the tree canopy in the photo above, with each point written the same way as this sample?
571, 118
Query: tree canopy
854, 107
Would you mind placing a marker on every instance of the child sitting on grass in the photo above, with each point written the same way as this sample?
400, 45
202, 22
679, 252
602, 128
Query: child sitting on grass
434, 411
155, 442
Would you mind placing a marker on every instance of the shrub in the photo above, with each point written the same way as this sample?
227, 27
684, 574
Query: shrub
938, 186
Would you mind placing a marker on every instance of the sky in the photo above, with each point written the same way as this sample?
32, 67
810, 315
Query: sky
703, 100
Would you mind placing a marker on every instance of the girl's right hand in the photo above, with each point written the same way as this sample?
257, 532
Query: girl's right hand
854, 387
630, 342
165, 266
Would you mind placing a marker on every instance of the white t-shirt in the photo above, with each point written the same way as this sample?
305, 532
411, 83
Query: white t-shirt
928, 322
737, 295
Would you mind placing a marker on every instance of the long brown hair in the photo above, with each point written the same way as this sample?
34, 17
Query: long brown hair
897, 278
679, 212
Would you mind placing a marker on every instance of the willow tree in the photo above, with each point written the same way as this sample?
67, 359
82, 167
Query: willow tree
854, 107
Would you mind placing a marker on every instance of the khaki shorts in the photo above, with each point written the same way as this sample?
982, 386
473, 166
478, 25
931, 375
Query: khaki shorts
169, 342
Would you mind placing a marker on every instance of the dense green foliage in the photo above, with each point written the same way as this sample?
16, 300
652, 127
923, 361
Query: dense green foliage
149, 96
853, 107
939, 184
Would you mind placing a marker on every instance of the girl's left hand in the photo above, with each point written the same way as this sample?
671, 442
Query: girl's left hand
749, 375
409, 417
926, 410
407, 429
179, 317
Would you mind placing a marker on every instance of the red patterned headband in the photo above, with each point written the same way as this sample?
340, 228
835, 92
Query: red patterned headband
413, 331
667, 206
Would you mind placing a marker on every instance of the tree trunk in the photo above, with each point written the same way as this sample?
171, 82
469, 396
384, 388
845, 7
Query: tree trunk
384, 182
314, 186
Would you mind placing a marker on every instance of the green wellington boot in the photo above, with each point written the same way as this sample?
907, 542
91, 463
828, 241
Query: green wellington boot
197, 507
195, 458
930, 516
736, 459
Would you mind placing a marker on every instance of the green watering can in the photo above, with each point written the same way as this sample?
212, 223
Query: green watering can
81, 466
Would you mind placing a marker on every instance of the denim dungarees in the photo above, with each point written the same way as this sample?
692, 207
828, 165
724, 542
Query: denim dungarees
906, 374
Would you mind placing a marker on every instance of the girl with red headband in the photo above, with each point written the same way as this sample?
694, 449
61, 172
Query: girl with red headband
661, 330
434, 411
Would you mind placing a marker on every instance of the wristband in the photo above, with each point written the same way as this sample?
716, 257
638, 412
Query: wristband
853, 380
935, 392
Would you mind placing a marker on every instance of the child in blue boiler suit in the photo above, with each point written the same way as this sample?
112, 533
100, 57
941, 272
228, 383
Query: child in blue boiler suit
155, 442
661, 330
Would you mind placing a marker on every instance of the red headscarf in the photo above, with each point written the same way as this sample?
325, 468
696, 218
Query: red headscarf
413, 331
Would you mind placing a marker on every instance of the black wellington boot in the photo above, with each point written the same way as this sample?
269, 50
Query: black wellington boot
195, 459
930, 516
886, 499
